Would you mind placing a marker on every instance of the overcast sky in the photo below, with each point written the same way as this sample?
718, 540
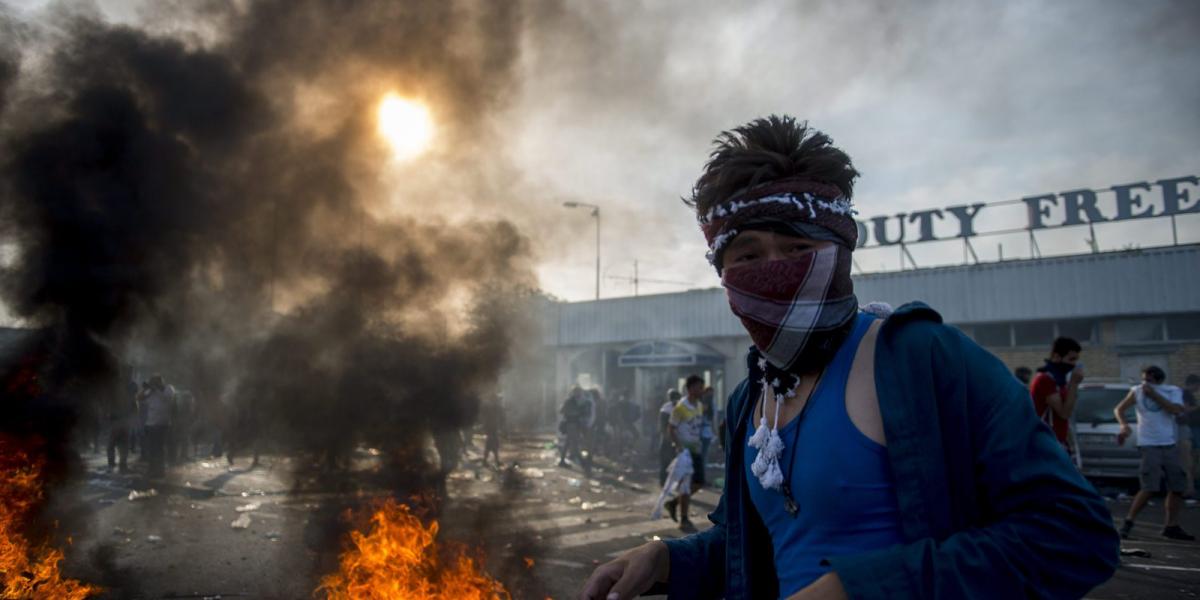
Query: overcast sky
938, 103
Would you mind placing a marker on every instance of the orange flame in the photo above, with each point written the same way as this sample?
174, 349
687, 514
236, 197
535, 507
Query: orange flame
399, 557
28, 570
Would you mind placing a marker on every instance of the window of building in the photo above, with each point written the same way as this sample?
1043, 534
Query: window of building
1033, 333
1183, 327
1081, 330
993, 334
1140, 330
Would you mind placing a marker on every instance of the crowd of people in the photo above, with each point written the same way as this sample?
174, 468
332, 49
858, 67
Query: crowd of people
164, 426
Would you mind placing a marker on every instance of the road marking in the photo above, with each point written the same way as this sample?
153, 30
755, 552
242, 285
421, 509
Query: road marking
588, 538
558, 562
1163, 567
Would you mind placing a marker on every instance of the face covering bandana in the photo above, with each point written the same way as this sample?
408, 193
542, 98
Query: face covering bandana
1058, 371
796, 310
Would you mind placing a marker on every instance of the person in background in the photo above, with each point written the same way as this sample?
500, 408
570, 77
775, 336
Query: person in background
121, 412
491, 417
1157, 407
1190, 439
1023, 374
685, 428
574, 417
1055, 388
157, 400
665, 447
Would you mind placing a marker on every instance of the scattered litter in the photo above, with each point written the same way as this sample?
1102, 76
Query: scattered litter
597, 490
373, 451
533, 473
575, 500
719, 482
603, 525
485, 478
1135, 552
248, 507
529, 562
136, 495
122, 531
153, 539
621, 478
241, 522
462, 475
594, 482
548, 445
195, 506
574, 482
272, 535
174, 514
207, 465
245, 494
593, 505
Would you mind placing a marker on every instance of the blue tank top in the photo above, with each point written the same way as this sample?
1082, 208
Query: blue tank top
840, 478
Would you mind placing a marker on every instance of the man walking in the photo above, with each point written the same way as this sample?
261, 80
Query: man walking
1157, 406
575, 414
685, 427
1055, 389
491, 417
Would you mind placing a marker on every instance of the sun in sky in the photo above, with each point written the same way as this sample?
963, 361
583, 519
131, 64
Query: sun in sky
406, 125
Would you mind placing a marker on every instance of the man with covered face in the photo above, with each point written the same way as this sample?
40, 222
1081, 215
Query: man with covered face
868, 457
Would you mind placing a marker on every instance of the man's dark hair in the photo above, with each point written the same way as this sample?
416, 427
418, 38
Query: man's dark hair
1155, 374
766, 150
1023, 373
693, 380
1064, 345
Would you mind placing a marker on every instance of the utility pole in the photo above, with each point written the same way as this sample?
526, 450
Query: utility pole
595, 213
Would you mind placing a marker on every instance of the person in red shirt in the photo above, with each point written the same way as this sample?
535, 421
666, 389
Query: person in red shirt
1056, 386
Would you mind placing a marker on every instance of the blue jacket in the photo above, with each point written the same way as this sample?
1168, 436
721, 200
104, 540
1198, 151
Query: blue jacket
991, 506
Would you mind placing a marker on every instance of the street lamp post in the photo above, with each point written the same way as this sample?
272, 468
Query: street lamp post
595, 213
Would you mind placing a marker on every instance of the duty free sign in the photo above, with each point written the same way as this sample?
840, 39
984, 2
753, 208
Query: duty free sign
1127, 201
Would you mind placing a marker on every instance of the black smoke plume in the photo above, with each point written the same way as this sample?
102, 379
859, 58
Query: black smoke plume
207, 193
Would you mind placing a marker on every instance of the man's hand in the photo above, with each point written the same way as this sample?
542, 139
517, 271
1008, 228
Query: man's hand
629, 575
1077, 375
1123, 434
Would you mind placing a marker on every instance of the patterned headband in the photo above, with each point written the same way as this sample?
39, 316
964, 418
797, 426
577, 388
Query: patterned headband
787, 200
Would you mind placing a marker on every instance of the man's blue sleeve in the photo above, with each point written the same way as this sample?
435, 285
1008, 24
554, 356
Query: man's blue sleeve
1047, 533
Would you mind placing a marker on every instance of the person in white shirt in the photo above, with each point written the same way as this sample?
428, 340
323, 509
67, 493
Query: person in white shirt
1157, 406
157, 401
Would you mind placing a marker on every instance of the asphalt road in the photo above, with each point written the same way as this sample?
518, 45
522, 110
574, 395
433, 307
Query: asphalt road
180, 543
